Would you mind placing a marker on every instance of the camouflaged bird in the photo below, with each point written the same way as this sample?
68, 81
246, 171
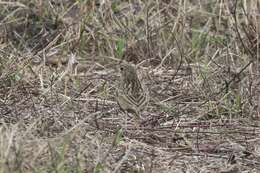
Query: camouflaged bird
131, 95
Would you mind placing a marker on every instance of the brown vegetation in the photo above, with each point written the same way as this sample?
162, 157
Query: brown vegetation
199, 60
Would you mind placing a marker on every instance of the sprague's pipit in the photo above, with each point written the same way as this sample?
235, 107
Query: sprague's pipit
132, 97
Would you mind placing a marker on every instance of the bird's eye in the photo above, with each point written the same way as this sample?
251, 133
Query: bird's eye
121, 68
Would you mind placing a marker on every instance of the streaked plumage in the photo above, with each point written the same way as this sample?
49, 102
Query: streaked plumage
131, 95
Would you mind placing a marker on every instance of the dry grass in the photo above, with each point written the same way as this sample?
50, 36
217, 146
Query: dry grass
199, 59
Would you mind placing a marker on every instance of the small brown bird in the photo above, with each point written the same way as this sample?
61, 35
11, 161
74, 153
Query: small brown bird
131, 95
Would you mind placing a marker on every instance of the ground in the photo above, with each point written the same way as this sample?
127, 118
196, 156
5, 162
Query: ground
199, 60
